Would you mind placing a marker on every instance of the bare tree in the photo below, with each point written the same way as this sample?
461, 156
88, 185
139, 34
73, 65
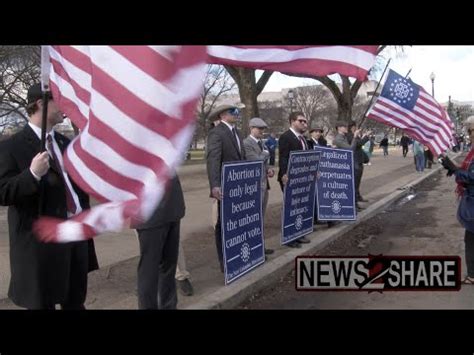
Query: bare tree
463, 111
217, 83
274, 115
19, 69
12, 122
249, 89
309, 100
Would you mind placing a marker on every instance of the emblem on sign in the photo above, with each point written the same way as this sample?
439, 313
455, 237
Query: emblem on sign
336, 206
245, 252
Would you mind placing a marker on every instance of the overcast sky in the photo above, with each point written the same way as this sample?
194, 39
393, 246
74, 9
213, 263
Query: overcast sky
453, 67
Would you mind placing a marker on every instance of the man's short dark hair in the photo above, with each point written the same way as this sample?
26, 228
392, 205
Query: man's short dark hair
294, 115
34, 94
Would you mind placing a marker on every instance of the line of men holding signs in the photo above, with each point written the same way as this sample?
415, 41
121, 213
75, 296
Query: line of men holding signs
318, 183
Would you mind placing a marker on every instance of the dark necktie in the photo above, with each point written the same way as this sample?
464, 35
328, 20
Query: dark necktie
260, 145
71, 205
303, 142
236, 138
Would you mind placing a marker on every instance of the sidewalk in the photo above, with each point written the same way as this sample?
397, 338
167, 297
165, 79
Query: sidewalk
114, 285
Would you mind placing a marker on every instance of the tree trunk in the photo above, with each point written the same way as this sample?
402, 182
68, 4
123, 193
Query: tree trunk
344, 99
248, 96
249, 89
346, 102
344, 109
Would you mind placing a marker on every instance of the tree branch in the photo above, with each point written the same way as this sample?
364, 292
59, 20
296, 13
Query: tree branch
263, 81
355, 88
331, 85
233, 71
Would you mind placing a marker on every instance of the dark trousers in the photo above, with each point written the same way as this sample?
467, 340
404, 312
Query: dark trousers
78, 275
272, 157
218, 236
404, 150
157, 267
358, 171
469, 250
428, 159
77, 290
315, 214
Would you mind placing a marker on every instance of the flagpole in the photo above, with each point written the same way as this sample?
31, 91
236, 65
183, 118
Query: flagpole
45, 91
373, 96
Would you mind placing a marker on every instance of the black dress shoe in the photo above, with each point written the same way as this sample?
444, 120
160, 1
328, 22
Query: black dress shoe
293, 245
268, 251
303, 240
185, 287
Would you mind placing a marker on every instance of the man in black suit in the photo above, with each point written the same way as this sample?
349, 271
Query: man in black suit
224, 143
42, 274
159, 245
289, 141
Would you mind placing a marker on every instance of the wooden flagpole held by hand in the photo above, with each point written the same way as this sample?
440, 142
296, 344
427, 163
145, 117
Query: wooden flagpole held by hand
45, 63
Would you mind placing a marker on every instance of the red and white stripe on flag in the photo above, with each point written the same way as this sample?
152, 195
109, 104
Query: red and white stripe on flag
428, 122
354, 61
135, 108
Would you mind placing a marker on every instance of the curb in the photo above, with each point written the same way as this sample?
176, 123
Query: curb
231, 296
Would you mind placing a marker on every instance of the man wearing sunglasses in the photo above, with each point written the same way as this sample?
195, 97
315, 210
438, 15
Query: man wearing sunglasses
289, 141
224, 143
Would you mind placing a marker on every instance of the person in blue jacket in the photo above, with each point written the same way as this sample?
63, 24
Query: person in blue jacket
272, 144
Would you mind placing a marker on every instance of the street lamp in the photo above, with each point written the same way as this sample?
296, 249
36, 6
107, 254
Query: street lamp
432, 77
291, 96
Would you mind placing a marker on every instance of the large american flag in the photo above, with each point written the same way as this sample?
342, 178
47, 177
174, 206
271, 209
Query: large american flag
406, 105
354, 61
135, 107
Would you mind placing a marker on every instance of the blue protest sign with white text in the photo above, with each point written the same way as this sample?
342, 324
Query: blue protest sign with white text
241, 218
335, 186
298, 199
